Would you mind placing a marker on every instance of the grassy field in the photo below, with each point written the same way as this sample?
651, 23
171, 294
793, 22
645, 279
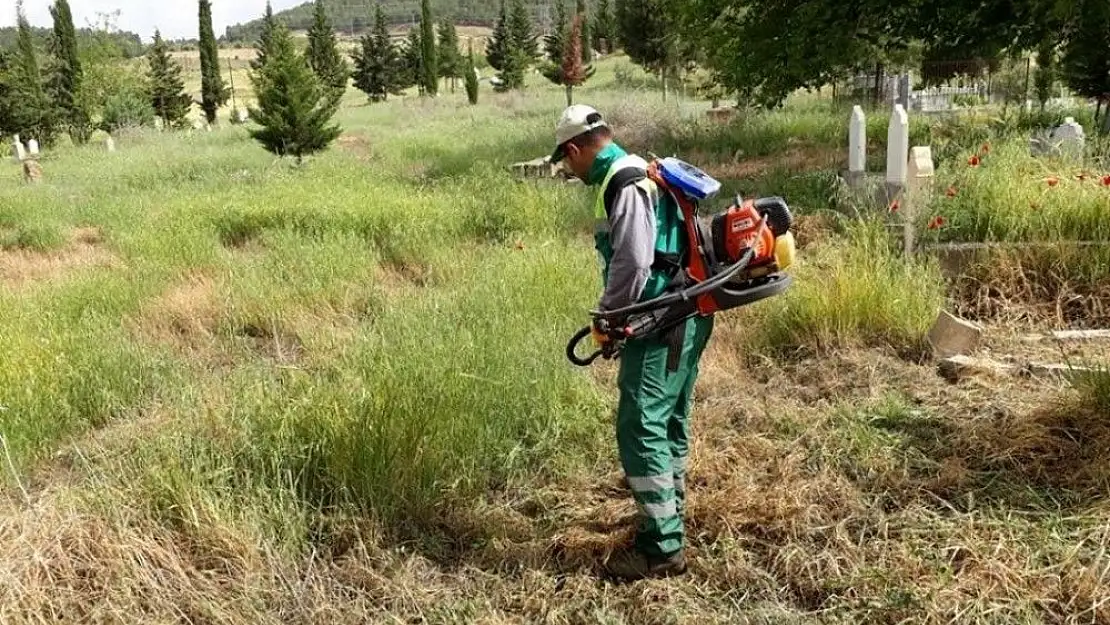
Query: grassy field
234, 391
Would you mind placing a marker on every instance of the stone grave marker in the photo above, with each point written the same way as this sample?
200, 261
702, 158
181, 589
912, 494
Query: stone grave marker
1069, 138
33, 147
857, 147
32, 171
898, 152
17, 150
244, 116
110, 144
919, 179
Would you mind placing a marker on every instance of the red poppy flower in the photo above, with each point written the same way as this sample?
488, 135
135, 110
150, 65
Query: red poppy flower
974, 161
1052, 181
953, 191
894, 206
1106, 181
937, 222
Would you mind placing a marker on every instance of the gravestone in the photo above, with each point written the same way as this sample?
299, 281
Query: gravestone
244, 116
898, 152
110, 144
33, 147
904, 91
17, 150
32, 171
919, 179
857, 147
1069, 138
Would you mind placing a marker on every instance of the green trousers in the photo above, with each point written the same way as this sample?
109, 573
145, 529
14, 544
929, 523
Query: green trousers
653, 432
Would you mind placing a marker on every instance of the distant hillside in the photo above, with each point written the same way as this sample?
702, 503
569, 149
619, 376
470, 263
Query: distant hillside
355, 16
130, 44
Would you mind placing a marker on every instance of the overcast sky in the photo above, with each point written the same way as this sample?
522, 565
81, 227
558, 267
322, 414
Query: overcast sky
176, 18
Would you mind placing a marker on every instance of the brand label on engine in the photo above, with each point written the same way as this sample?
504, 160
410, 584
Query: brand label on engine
742, 224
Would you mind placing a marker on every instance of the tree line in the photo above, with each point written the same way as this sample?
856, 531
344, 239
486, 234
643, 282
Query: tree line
760, 51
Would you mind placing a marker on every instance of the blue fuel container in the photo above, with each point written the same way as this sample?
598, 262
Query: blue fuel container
693, 182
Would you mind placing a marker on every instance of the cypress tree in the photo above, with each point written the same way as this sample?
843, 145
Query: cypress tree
471, 78
377, 64
450, 61
68, 75
587, 51
32, 114
214, 93
553, 45
412, 62
294, 108
429, 73
497, 48
262, 46
323, 51
574, 72
604, 30
521, 33
6, 93
167, 88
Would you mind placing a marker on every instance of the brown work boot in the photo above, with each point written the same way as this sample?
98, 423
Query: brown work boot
631, 565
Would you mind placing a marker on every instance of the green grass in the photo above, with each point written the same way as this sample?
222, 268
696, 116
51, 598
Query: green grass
282, 364
854, 290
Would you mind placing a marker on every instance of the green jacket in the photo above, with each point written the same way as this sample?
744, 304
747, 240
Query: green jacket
636, 224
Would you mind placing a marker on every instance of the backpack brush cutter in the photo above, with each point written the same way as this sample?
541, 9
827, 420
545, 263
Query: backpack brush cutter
734, 259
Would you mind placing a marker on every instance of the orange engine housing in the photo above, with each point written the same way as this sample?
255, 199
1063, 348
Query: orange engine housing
739, 229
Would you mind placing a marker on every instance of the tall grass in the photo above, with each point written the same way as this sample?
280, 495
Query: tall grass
854, 290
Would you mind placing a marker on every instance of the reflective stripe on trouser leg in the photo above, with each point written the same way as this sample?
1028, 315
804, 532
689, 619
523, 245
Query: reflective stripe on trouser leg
649, 400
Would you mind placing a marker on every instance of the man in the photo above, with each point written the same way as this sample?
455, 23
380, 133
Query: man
639, 236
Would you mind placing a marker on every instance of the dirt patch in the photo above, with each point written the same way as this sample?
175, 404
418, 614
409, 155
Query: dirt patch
185, 316
84, 250
397, 277
357, 145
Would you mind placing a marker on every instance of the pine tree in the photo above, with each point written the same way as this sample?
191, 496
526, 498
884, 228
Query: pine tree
471, 78
323, 51
429, 64
521, 34
604, 30
67, 77
513, 69
32, 113
214, 93
294, 108
450, 61
497, 48
167, 88
587, 50
262, 46
553, 45
412, 62
574, 73
1046, 70
377, 64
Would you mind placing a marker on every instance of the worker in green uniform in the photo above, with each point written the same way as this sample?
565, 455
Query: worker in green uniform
639, 235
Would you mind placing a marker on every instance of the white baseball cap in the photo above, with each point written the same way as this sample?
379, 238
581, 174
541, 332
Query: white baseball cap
576, 120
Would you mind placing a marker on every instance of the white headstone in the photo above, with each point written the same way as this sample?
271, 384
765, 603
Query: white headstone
17, 150
244, 116
921, 163
898, 148
33, 147
110, 144
857, 143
